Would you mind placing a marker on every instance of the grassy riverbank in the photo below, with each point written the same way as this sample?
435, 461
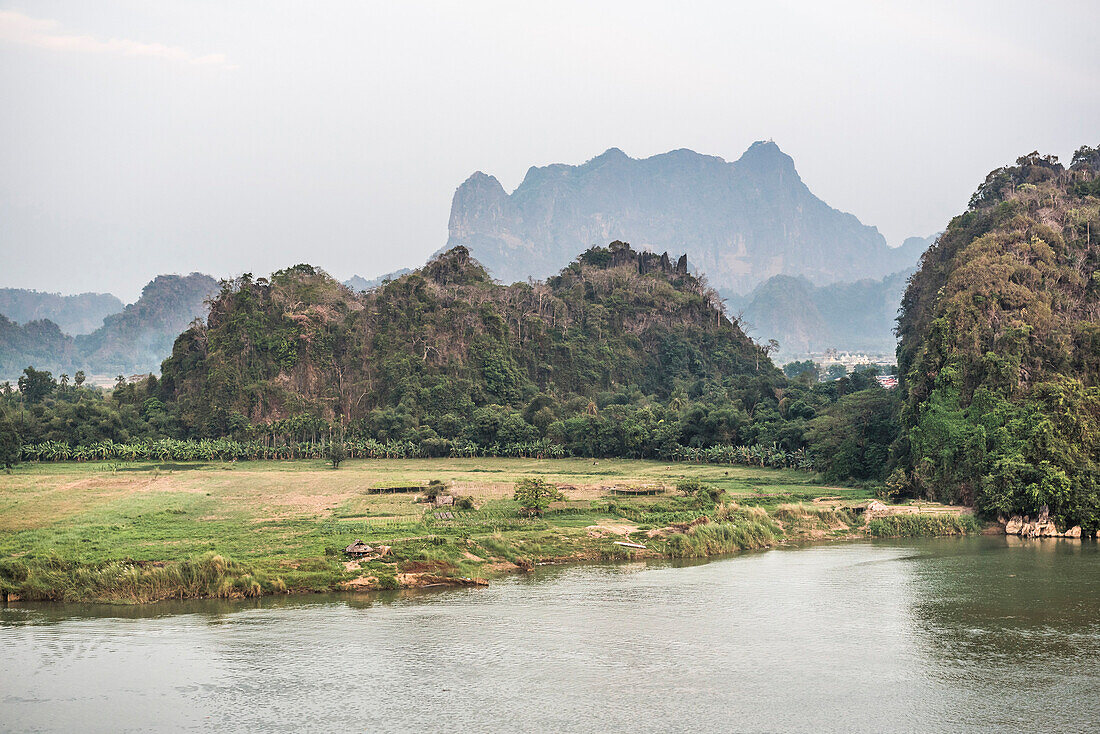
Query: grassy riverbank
143, 532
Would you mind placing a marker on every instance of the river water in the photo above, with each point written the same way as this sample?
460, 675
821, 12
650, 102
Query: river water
974, 634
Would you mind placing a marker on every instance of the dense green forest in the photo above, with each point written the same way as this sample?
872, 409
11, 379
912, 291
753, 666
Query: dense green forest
1000, 348
622, 354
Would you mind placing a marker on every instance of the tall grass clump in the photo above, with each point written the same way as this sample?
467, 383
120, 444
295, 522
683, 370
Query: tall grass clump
47, 578
717, 538
918, 526
801, 515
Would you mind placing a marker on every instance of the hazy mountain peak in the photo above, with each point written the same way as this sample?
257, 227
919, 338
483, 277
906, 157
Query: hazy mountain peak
611, 155
765, 155
740, 223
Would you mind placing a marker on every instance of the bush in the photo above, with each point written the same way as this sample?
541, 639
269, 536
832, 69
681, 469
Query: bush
434, 489
694, 487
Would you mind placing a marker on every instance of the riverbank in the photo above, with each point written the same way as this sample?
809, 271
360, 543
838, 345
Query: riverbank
138, 533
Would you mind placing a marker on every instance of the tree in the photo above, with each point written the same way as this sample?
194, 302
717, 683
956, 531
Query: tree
534, 495
36, 384
78, 378
766, 349
11, 444
835, 372
795, 370
337, 452
851, 439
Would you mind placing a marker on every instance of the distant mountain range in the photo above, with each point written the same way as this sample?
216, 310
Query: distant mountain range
804, 318
135, 339
740, 223
74, 315
807, 319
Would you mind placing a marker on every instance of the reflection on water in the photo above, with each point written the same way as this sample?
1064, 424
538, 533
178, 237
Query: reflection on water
942, 635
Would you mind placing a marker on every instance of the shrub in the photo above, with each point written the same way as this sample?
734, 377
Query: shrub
434, 489
694, 487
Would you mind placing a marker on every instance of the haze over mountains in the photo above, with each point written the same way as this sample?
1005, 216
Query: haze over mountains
79, 314
740, 223
798, 270
808, 319
136, 339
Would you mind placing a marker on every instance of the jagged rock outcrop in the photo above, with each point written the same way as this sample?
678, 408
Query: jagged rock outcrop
1041, 527
741, 222
359, 283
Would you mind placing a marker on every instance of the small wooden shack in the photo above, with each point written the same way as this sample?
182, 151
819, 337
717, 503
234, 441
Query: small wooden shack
359, 549
645, 489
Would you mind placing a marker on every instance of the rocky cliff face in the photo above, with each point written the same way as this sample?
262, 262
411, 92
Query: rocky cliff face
740, 223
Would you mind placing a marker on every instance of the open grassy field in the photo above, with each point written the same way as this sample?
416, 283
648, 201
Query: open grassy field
136, 532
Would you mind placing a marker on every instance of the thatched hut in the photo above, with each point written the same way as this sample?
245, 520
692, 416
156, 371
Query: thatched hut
358, 549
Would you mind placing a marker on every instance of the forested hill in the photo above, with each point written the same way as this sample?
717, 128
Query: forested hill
1000, 347
141, 336
418, 356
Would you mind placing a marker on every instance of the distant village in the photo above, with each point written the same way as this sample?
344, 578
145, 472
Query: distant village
855, 360
832, 364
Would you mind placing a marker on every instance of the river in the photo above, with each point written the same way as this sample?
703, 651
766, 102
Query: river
978, 634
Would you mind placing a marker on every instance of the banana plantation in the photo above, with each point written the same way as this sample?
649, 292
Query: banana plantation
223, 449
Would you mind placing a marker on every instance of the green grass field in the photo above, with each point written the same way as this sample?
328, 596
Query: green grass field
121, 531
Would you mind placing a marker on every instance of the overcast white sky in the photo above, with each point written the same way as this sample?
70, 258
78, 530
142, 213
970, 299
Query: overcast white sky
141, 137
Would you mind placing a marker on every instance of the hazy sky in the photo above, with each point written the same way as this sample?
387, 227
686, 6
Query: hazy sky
145, 137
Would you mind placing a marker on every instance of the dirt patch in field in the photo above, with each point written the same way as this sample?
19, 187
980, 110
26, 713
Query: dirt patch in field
605, 528
433, 567
362, 583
